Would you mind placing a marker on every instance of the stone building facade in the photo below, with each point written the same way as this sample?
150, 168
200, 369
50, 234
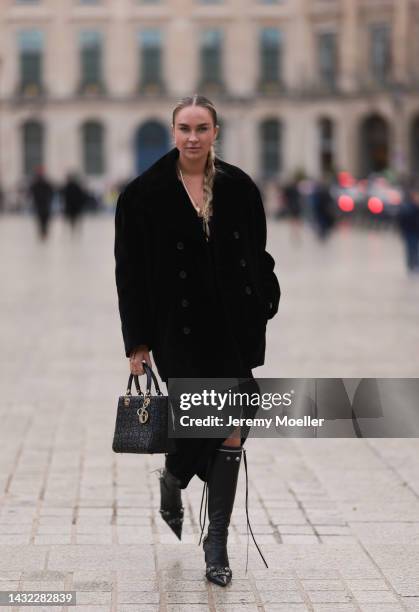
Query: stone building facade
300, 85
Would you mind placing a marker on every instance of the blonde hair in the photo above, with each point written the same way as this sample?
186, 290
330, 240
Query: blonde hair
210, 169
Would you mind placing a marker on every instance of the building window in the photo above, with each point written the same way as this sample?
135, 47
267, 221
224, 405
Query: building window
270, 56
270, 143
91, 49
93, 148
150, 41
380, 57
328, 64
211, 57
32, 147
31, 45
326, 146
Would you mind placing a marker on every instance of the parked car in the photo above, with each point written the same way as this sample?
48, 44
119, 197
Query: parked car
348, 195
382, 199
375, 197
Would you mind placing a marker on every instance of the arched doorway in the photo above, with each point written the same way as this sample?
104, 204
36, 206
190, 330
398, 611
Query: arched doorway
151, 142
414, 147
375, 145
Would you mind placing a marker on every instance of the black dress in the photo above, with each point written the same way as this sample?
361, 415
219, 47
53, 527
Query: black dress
192, 455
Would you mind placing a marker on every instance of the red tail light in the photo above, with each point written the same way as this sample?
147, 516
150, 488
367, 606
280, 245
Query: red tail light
375, 206
346, 203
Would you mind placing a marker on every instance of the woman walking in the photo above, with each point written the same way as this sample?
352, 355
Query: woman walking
196, 288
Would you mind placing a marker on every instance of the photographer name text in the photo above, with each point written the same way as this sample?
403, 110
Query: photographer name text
280, 421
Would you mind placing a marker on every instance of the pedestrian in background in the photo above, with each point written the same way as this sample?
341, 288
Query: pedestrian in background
323, 209
196, 287
409, 228
74, 201
42, 193
293, 207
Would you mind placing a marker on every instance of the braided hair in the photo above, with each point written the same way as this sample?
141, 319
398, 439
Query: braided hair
210, 169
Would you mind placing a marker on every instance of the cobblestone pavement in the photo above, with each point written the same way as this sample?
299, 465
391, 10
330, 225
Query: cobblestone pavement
337, 519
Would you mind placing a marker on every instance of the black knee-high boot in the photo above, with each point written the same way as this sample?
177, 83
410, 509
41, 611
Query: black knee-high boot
171, 508
222, 485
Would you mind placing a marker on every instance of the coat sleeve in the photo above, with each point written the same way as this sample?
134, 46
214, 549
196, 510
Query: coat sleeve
265, 262
130, 260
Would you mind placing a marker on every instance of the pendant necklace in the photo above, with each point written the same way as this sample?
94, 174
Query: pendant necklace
198, 210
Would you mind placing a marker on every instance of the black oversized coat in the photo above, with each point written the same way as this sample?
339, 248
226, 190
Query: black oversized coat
191, 302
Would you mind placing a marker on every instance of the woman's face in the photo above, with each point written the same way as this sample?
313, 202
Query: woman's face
194, 132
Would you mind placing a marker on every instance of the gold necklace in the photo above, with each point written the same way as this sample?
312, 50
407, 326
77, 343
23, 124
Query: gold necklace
198, 210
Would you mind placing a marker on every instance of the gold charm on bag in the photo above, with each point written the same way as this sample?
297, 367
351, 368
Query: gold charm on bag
142, 412
142, 415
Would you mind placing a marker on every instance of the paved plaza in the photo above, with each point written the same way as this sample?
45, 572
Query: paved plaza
337, 519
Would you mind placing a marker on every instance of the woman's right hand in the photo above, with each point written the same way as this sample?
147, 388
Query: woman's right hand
138, 355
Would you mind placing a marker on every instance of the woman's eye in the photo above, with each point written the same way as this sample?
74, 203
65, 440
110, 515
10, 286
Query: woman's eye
184, 129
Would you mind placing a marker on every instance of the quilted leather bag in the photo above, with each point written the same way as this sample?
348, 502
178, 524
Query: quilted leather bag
142, 420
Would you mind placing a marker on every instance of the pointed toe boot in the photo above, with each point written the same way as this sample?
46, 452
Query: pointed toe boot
171, 508
222, 485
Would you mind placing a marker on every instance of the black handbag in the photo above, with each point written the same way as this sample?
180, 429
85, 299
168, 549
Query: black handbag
142, 420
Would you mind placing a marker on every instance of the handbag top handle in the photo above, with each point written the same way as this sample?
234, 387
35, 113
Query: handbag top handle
150, 376
137, 385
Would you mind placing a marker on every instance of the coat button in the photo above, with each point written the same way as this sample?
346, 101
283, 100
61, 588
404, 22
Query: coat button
270, 305
180, 246
182, 274
185, 303
236, 235
186, 330
243, 263
248, 289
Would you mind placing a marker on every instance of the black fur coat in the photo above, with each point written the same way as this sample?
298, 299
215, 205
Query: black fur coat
201, 307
